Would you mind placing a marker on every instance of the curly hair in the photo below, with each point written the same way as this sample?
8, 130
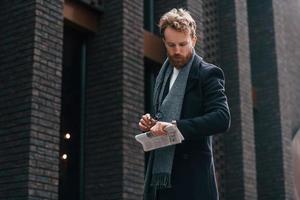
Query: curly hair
178, 19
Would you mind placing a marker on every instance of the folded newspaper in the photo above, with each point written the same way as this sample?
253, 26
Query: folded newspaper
151, 142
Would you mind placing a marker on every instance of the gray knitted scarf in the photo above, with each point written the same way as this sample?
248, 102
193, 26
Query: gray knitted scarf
159, 168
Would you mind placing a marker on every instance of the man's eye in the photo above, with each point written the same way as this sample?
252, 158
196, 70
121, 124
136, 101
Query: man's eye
182, 44
171, 45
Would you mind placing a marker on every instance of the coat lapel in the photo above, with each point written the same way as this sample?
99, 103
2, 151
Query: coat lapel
194, 75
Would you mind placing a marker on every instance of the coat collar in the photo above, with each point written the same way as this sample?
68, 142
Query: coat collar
194, 75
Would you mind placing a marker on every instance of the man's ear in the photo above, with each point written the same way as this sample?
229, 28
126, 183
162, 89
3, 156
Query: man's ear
194, 40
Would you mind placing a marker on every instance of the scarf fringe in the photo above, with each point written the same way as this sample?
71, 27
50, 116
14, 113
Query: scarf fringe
161, 181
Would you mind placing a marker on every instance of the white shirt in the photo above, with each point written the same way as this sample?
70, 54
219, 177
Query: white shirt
173, 78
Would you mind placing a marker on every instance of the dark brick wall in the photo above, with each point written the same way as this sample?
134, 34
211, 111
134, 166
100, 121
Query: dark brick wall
30, 62
240, 172
275, 59
16, 47
267, 114
286, 19
46, 100
103, 136
210, 38
133, 98
114, 161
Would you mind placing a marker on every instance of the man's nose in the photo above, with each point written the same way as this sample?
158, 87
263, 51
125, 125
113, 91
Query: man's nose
176, 49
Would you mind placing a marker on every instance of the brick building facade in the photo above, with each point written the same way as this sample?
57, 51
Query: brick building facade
86, 70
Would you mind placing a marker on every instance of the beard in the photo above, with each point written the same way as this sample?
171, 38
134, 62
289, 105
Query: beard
178, 60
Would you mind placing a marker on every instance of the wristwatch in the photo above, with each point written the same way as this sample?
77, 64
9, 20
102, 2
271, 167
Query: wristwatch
174, 122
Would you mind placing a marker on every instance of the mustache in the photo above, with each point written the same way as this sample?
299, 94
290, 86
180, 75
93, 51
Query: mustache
177, 56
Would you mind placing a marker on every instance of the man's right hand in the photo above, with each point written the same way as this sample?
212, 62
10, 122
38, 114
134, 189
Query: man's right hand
146, 122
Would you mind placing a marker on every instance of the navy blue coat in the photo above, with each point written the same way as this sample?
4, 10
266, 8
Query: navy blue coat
204, 113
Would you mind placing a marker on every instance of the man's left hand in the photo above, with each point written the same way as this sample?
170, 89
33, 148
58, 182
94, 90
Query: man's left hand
158, 128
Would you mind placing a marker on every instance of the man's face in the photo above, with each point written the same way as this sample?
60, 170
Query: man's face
179, 46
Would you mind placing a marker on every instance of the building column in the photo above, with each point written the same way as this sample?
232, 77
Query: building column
275, 57
114, 161
30, 90
239, 146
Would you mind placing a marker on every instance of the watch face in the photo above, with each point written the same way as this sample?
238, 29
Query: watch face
158, 115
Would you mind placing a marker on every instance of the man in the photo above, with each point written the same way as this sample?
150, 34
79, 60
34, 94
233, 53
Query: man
188, 93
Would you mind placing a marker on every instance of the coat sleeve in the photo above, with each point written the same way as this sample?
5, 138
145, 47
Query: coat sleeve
216, 117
